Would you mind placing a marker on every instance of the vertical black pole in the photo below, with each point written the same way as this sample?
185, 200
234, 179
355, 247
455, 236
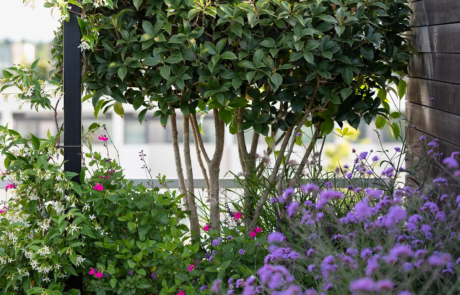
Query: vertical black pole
72, 109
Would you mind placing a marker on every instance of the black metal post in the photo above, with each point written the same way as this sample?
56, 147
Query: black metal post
72, 109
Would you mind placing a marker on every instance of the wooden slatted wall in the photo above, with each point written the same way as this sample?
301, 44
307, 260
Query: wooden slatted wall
435, 73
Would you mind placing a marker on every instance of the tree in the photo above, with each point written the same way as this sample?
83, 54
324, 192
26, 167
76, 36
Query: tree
269, 66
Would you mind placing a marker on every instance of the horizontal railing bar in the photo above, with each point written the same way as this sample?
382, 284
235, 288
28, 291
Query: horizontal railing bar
232, 183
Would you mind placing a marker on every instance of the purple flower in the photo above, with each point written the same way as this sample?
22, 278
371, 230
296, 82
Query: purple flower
431, 98
239, 283
375, 158
153, 276
298, 134
423, 137
241, 251
364, 284
376, 194
311, 267
349, 175
216, 285
275, 237
273, 201
384, 285
328, 184
363, 211
407, 266
389, 172
372, 265
292, 208
405, 293
216, 242
398, 149
274, 276
309, 188
395, 215
131, 273
326, 196
363, 155
204, 287
289, 192
450, 163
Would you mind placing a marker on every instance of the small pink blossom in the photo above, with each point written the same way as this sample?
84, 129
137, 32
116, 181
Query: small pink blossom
181, 292
190, 267
237, 216
91, 272
258, 229
253, 234
10, 186
98, 187
206, 228
103, 138
98, 275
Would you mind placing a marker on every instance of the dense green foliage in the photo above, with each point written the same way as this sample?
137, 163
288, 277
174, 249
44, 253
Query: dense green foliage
327, 56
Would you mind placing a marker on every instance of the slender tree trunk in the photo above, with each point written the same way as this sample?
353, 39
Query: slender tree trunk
180, 173
214, 170
198, 139
194, 221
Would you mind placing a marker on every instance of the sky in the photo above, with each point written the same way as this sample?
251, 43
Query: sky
18, 22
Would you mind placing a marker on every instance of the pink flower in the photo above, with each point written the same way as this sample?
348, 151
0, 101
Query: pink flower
206, 228
91, 272
98, 275
9, 186
3, 210
181, 292
253, 234
103, 138
237, 216
258, 229
190, 268
98, 187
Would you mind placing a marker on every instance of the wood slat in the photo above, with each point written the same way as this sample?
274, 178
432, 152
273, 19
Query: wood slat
436, 66
429, 170
435, 12
441, 39
446, 97
437, 123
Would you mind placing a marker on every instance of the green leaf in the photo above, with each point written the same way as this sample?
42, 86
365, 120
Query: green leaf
228, 55
237, 29
147, 27
122, 72
238, 102
395, 115
173, 59
309, 57
186, 252
225, 116
347, 74
247, 64
268, 42
345, 93
327, 127
118, 108
329, 19
339, 30
380, 122
402, 86
395, 131
257, 59
367, 53
137, 4
165, 72
141, 116
113, 283
382, 94
185, 109
277, 80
